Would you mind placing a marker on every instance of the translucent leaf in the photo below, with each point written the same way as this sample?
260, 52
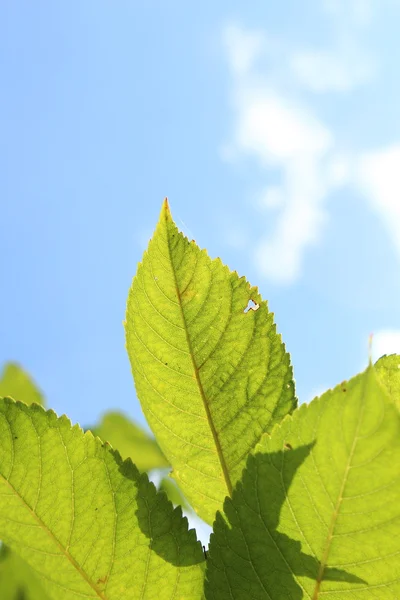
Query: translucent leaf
131, 441
16, 577
388, 370
173, 492
18, 581
17, 384
89, 523
211, 372
317, 513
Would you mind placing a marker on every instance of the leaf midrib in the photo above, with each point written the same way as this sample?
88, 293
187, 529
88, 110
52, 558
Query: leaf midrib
214, 432
324, 560
55, 540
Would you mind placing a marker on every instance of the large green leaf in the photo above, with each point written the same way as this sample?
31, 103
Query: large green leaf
131, 441
17, 384
211, 376
18, 581
169, 486
89, 523
317, 513
388, 370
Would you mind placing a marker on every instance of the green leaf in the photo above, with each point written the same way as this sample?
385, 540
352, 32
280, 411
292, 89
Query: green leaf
388, 371
17, 580
89, 523
211, 376
131, 441
17, 384
174, 494
317, 513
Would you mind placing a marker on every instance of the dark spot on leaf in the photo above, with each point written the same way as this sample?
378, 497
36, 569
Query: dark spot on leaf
288, 446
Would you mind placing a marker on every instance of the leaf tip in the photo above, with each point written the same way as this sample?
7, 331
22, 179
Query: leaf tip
165, 211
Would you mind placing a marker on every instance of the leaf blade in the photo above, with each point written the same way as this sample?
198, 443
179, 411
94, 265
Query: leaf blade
131, 441
89, 523
17, 579
318, 509
18, 384
388, 372
211, 377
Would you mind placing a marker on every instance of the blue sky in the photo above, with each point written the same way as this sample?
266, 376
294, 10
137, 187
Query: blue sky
272, 128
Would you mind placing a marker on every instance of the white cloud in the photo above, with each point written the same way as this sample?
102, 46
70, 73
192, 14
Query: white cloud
378, 176
282, 135
385, 342
275, 130
339, 170
242, 47
338, 70
358, 13
275, 125
299, 225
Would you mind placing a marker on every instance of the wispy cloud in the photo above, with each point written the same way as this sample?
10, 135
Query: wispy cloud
276, 124
378, 176
355, 13
339, 70
284, 135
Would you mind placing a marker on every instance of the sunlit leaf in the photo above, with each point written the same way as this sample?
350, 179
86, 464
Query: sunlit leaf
15, 575
18, 581
317, 512
210, 370
131, 441
89, 523
173, 492
388, 370
17, 384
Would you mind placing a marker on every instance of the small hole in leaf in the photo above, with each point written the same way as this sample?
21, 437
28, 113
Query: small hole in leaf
251, 305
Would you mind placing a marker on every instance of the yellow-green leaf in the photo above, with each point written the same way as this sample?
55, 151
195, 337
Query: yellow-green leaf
18, 384
89, 523
169, 486
211, 373
131, 441
18, 581
388, 371
317, 513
